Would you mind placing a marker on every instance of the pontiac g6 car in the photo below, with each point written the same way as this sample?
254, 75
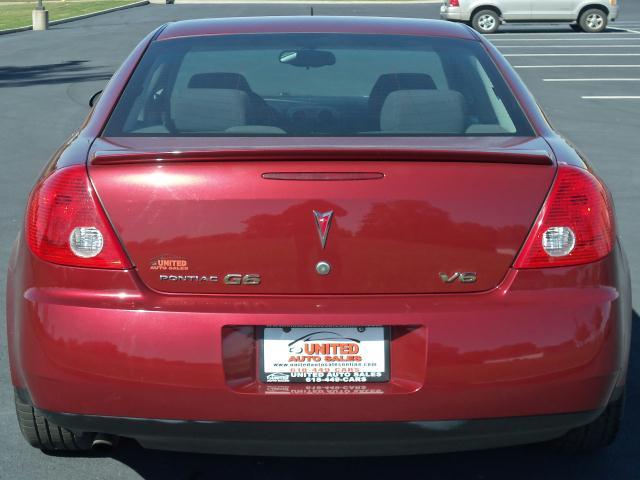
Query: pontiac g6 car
318, 236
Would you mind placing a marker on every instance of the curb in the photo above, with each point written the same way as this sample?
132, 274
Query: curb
15, 30
78, 17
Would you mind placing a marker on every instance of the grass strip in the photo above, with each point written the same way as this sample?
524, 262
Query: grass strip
19, 15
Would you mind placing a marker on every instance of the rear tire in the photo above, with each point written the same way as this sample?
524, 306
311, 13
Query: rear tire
45, 435
593, 20
597, 434
486, 21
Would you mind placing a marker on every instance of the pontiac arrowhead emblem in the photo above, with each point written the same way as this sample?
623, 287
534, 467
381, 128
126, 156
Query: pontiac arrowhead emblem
323, 224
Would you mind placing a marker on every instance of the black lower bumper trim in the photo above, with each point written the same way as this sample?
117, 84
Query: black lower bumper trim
328, 439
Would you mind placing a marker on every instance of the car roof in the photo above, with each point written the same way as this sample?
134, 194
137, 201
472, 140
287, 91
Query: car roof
316, 24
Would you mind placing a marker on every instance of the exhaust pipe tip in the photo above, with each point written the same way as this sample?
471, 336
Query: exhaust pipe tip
104, 442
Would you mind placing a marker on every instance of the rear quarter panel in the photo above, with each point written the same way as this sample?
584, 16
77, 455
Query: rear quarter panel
612, 10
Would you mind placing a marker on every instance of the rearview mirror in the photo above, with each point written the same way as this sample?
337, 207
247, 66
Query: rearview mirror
308, 58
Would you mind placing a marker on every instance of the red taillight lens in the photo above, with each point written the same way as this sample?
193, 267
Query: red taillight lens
575, 225
65, 223
454, 3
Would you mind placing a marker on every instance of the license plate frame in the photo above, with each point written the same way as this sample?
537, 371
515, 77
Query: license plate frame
376, 339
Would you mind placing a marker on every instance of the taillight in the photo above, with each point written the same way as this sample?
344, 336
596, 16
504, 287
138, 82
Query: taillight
454, 3
66, 225
575, 225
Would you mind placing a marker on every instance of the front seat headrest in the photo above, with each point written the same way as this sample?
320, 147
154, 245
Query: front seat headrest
392, 82
423, 111
231, 81
209, 110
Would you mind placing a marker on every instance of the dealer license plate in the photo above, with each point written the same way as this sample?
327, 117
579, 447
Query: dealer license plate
324, 355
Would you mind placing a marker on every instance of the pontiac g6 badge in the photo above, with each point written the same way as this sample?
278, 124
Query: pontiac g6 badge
323, 224
229, 279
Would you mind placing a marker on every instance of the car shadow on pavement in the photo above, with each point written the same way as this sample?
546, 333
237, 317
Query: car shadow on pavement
529, 462
71, 71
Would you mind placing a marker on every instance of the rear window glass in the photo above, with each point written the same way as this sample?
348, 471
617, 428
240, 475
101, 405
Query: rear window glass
306, 85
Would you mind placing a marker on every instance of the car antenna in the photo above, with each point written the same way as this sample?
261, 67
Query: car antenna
311, 11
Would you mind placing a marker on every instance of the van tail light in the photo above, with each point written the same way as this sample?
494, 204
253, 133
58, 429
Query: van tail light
454, 3
66, 225
575, 226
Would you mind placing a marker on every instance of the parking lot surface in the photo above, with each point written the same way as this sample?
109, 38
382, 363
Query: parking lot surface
589, 85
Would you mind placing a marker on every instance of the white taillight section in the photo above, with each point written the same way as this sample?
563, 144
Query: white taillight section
558, 241
86, 242
574, 227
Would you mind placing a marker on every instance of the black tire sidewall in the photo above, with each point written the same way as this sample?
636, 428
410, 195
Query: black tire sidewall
583, 20
476, 17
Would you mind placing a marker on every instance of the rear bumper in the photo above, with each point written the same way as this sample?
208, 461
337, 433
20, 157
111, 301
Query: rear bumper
329, 439
455, 14
613, 13
545, 342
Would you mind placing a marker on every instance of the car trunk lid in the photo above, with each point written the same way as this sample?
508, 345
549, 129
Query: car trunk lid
259, 219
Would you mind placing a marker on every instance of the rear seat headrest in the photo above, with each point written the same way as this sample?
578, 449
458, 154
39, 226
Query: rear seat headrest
423, 111
209, 110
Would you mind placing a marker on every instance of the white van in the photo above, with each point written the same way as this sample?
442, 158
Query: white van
486, 15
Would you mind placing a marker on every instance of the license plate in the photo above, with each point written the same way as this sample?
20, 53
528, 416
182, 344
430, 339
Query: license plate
324, 355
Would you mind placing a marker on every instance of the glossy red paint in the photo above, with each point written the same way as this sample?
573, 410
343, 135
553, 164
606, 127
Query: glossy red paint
282, 24
107, 342
391, 236
544, 342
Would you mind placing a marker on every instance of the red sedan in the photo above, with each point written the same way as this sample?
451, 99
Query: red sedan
318, 236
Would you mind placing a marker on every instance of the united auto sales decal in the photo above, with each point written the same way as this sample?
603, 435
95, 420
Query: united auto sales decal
167, 263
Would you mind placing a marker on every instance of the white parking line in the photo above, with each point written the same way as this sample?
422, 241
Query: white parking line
578, 45
575, 38
618, 97
576, 66
572, 55
569, 46
591, 79
557, 33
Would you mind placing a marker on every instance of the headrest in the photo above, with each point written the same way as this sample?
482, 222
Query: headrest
423, 111
209, 110
232, 81
392, 82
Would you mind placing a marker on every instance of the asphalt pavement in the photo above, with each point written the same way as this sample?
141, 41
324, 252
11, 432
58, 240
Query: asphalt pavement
589, 85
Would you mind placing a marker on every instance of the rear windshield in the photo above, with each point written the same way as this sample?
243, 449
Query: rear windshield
306, 85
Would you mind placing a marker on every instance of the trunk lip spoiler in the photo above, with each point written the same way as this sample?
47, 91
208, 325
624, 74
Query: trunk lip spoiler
508, 156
